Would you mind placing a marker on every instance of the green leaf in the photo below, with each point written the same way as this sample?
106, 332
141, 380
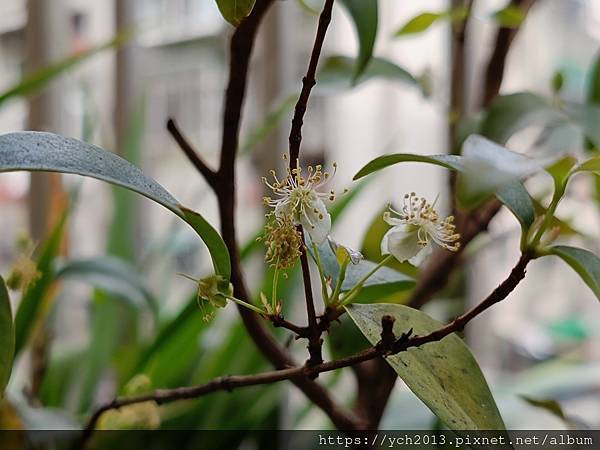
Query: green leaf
36, 151
593, 94
448, 161
112, 275
511, 113
489, 167
269, 124
588, 118
364, 14
423, 21
234, 11
42, 77
591, 165
420, 23
510, 17
337, 73
582, 261
514, 197
561, 170
36, 294
550, 405
7, 337
444, 374
517, 199
384, 282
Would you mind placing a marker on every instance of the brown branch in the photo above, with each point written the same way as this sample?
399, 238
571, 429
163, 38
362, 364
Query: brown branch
495, 68
388, 345
308, 83
241, 46
315, 342
192, 155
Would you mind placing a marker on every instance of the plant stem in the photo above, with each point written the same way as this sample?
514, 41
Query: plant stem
558, 193
246, 305
385, 347
295, 138
358, 286
317, 259
340, 282
274, 289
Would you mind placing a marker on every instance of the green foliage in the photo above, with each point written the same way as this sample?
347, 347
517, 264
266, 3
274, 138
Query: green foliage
550, 405
593, 93
272, 120
582, 261
36, 151
364, 14
489, 167
111, 275
337, 73
447, 161
7, 337
31, 305
382, 283
502, 167
424, 21
509, 17
38, 80
444, 374
234, 11
509, 114
517, 199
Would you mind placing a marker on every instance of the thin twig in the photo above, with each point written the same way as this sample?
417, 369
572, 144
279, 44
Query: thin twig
241, 46
388, 345
308, 82
494, 74
193, 156
315, 342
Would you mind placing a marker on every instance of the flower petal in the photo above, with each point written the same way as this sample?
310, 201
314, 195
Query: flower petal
316, 220
400, 243
283, 209
423, 253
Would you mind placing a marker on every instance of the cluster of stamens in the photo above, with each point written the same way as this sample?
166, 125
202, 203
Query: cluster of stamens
416, 211
298, 192
283, 242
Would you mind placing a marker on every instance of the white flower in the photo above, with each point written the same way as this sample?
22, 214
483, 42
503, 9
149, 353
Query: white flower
298, 198
415, 228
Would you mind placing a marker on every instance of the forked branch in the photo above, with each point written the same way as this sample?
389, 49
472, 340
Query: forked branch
388, 345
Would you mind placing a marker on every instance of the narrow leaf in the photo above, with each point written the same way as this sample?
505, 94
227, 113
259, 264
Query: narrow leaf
489, 167
364, 14
7, 337
36, 293
419, 23
582, 261
36, 151
111, 275
447, 161
511, 113
591, 165
593, 94
337, 73
550, 405
517, 199
514, 197
510, 17
382, 283
42, 77
234, 11
444, 374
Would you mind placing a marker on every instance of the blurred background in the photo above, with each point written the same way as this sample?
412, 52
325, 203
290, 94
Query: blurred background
93, 335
